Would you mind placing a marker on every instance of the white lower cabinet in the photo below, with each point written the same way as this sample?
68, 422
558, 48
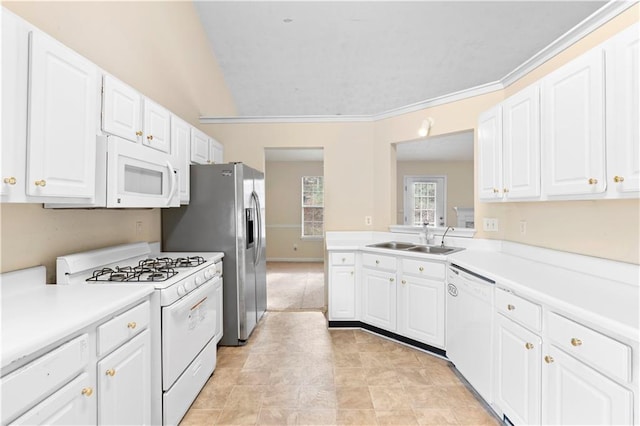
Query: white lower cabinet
379, 298
343, 287
124, 384
573, 393
518, 380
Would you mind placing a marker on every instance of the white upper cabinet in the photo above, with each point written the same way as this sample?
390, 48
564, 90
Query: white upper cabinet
199, 147
573, 127
181, 138
15, 70
521, 144
216, 152
623, 113
490, 154
121, 109
62, 127
157, 126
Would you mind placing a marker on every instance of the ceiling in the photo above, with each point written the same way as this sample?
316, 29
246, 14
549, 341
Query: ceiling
306, 58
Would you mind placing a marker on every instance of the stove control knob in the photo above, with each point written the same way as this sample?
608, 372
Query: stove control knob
181, 290
208, 274
213, 270
189, 285
199, 280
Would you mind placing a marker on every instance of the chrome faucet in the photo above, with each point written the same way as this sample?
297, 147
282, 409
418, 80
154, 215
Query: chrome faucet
445, 233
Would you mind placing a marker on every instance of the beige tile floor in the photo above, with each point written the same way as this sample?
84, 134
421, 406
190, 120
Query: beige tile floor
293, 286
296, 371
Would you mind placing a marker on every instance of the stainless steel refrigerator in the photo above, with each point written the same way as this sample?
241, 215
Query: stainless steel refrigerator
226, 214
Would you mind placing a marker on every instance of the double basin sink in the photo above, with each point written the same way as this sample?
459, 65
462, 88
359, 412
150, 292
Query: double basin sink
394, 245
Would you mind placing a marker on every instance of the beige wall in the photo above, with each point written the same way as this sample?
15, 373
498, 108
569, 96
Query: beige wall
160, 49
283, 211
361, 178
459, 184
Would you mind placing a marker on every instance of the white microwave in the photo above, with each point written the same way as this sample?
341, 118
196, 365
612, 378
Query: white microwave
131, 175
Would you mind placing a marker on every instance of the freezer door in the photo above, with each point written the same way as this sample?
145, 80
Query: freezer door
261, 244
247, 289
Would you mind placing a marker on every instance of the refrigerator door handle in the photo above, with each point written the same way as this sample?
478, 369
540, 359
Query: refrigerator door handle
258, 248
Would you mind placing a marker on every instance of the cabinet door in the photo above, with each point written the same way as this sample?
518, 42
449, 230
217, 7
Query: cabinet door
124, 384
342, 293
199, 147
576, 394
379, 299
521, 144
572, 127
63, 96
121, 109
490, 155
623, 112
216, 152
73, 404
421, 310
15, 71
518, 377
157, 126
219, 311
181, 138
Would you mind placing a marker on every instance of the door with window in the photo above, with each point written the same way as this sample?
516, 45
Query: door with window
425, 200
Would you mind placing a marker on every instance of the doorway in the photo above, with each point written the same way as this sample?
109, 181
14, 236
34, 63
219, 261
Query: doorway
295, 228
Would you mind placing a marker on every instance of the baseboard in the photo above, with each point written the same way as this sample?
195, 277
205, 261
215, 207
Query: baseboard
388, 334
295, 259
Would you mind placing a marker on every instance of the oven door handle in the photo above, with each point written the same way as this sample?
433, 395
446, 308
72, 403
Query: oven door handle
174, 185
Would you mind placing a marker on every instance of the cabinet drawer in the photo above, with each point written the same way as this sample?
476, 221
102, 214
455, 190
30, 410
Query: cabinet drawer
379, 261
118, 330
343, 258
423, 268
29, 384
603, 353
518, 309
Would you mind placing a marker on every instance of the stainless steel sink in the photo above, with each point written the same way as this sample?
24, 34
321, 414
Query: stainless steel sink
394, 245
434, 249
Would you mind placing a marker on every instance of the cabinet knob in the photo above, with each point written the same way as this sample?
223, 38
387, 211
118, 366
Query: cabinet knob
344, 259
528, 345
87, 391
139, 133
505, 190
150, 137
351, 272
496, 190
576, 342
132, 325
110, 372
593, 181
391, 280
511, 307
421, 269
10, 180
548, 359
618, 179
41, 183
377, 262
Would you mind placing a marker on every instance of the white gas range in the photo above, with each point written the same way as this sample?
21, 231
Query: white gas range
186, 325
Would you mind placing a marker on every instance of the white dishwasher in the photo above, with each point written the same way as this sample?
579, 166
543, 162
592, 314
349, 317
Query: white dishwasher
469, 341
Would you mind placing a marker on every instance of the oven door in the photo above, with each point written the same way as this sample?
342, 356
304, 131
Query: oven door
138, 176
187, 326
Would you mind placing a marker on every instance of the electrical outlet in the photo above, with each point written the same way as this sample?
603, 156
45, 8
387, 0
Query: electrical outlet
368, 220
523, 227
139, 229
295, 247
489, 224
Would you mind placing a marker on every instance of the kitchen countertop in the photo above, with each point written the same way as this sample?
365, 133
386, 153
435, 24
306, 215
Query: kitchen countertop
38, 316
606, 303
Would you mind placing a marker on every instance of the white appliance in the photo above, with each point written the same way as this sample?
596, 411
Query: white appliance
183, 342
469, 340
129, 174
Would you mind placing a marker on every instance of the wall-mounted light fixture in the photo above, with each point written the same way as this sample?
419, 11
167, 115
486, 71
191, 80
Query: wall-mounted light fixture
424, 129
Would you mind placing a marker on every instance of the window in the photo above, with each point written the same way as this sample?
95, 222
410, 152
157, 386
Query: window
424, 200
312, 206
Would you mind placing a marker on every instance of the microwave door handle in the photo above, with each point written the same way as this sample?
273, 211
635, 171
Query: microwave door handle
173, 183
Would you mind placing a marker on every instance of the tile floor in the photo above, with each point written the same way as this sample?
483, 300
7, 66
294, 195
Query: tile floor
296, 371
293, 286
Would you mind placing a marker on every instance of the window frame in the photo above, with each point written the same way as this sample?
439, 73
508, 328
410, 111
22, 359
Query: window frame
302, 210
441, 202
